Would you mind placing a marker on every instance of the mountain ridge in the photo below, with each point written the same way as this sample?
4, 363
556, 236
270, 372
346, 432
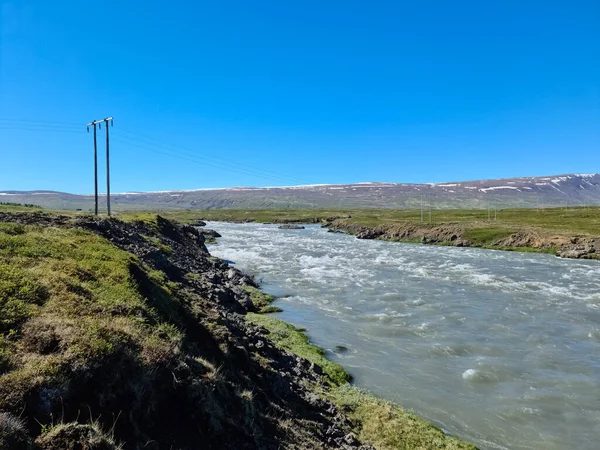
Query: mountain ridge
520, 192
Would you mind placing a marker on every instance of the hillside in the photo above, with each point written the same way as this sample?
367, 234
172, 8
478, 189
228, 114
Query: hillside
530, 192
131, 335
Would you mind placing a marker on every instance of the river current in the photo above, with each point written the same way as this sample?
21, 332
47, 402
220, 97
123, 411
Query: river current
499, 348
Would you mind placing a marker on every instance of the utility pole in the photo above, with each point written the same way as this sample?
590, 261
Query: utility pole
421, 208
430, 208
93, 124
99, 123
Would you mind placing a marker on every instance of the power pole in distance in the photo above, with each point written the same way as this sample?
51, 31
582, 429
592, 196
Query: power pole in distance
429, 208
108, 119
93, 124
99, 123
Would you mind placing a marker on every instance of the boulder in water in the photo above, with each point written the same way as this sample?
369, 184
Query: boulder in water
291, 227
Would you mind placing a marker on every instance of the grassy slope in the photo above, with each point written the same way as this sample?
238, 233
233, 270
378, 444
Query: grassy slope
378, 422
68, 304
88, 330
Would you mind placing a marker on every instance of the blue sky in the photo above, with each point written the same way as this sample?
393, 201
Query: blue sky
238, 93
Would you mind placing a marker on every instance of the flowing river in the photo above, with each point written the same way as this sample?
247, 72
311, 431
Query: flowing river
499, 348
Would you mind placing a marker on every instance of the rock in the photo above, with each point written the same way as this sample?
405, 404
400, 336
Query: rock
350, 439
317, 369
211, 233
199, 223
578, 251
291, 227
368, 233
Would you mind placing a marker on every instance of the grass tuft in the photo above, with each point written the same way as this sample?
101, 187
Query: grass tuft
288, 337
261, 299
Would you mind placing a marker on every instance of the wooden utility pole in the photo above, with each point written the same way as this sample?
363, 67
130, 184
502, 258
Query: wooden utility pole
99, 123
93, 124
429, 208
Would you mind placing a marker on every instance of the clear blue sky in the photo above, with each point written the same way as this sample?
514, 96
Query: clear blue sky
314, 91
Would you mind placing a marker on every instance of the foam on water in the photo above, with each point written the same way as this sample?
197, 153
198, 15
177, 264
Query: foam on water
501, 348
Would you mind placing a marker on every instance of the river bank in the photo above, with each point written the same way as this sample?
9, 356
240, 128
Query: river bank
128, 334
472, 235
569, 233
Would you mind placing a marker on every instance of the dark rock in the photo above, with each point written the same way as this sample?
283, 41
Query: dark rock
350, 439
199, 223
291, 227
578, 251
317, 369
207, 232
209, 235
368, 233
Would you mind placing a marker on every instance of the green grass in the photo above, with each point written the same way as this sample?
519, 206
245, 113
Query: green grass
18, 207
389, 427
286, 336
261, 300
71, 288
487, 236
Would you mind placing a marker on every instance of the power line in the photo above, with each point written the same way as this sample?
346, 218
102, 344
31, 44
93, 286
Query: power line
174, 150
196, 154
93, 124
197, 161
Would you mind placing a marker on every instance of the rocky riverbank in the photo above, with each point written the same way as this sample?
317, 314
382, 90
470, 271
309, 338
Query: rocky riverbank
131, 335
459, 235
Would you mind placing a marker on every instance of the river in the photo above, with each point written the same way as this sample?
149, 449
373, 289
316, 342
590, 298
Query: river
499, 348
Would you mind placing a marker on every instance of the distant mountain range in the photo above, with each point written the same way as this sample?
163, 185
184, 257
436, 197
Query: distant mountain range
528, 192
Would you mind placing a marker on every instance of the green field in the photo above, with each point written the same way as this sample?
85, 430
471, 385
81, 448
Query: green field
570, 221
574, 220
